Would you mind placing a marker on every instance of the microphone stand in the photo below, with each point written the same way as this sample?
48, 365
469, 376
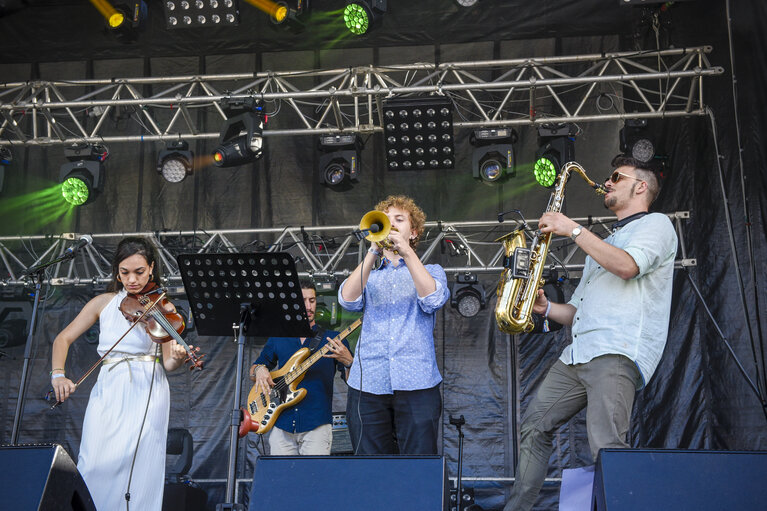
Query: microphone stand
37, 272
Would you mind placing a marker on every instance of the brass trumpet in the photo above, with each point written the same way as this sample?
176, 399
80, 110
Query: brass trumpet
378, 225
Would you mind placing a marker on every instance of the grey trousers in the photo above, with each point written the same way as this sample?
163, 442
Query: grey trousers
605, 386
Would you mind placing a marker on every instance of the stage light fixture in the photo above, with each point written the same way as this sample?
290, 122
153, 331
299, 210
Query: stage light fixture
339, 164
466, 3
556, 147
360, 15
290, 15
467, 295
493, 157
637, 141
201, 13
174, 162
83, 177
240, 140
418, 133
127, 20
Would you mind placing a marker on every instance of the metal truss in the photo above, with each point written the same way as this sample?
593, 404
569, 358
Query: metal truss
513, 92
324, 253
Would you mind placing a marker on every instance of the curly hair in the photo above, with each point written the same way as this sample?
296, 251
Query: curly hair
405, 203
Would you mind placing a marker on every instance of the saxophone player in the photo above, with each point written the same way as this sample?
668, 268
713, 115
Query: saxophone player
619, 315
394, 378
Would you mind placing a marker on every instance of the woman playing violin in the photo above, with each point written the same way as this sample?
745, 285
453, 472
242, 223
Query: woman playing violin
131, 398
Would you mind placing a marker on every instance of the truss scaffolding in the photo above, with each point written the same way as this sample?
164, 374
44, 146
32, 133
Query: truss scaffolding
512, 92
326, 253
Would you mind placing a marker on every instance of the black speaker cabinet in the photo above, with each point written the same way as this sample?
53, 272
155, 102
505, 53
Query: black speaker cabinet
41, 477
372, 483
644, 479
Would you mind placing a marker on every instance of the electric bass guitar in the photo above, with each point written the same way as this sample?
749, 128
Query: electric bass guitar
262, 410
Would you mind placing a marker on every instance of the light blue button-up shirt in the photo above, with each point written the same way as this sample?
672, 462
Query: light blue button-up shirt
627, 317
395, 350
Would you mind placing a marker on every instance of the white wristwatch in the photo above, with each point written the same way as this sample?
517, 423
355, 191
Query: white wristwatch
576, 232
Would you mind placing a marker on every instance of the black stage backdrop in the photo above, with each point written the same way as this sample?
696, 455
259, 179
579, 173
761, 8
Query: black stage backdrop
697, 398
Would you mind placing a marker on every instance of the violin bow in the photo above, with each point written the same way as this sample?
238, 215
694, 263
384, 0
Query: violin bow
98, 362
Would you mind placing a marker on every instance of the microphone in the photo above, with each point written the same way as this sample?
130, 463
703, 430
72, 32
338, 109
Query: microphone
362, 233
85, 239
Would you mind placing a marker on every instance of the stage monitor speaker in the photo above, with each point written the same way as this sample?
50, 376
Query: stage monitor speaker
41, 477
330, 483
642, 479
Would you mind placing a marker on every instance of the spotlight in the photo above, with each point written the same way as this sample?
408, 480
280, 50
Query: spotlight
556, 147
240, 140
419, 133
201, 13
340, 161
83, 177
175, 161
290, 16
467, 294
126, 21
466, 3
493, 158
360, 15
636, 141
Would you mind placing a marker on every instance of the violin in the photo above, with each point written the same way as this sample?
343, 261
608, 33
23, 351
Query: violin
160, 320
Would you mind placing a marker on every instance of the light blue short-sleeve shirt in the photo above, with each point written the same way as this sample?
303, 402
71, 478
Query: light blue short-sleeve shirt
627, 317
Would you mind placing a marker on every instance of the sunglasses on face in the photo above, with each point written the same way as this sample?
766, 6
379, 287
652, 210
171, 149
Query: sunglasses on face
616, 176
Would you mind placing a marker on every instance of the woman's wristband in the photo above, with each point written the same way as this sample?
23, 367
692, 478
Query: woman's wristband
375, 252
548, 309
57, 375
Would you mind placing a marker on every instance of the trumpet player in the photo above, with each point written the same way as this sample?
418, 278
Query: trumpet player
619, 315
394, 379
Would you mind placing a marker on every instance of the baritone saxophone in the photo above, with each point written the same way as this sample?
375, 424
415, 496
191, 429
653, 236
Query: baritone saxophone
523, 267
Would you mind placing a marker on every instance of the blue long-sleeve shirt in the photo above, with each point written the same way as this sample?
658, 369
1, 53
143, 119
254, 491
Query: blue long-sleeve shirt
396, 346
316, 408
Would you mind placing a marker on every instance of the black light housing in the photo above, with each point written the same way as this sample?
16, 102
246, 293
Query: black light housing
556, 146
467, 295
419, 133
240, 140
493, 159
201, 13
175, 162
83, 177
339, 163
637, 141
127, 21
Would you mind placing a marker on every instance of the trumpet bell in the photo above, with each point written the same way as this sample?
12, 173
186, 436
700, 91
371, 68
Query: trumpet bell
379, 219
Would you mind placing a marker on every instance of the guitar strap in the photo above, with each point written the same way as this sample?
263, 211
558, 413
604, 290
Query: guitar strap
315, 342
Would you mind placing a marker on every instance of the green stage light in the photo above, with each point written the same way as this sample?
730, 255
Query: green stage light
556, 148
356, 19
83, 177
360, 15
75, 191
545, 172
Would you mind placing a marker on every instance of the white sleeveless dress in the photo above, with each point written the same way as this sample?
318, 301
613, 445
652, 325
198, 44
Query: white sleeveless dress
114, 416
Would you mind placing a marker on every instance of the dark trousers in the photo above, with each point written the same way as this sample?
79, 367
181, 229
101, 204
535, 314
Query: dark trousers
406, 422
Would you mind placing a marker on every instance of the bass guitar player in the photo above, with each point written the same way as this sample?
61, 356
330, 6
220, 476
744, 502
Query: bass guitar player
306, 428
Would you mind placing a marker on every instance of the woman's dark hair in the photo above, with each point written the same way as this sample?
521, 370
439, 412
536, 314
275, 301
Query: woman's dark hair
131, 246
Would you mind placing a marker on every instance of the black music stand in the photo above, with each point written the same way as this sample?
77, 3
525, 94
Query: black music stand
254, 294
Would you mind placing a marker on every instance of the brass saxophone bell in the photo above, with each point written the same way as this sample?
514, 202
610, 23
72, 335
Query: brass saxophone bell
382, 228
